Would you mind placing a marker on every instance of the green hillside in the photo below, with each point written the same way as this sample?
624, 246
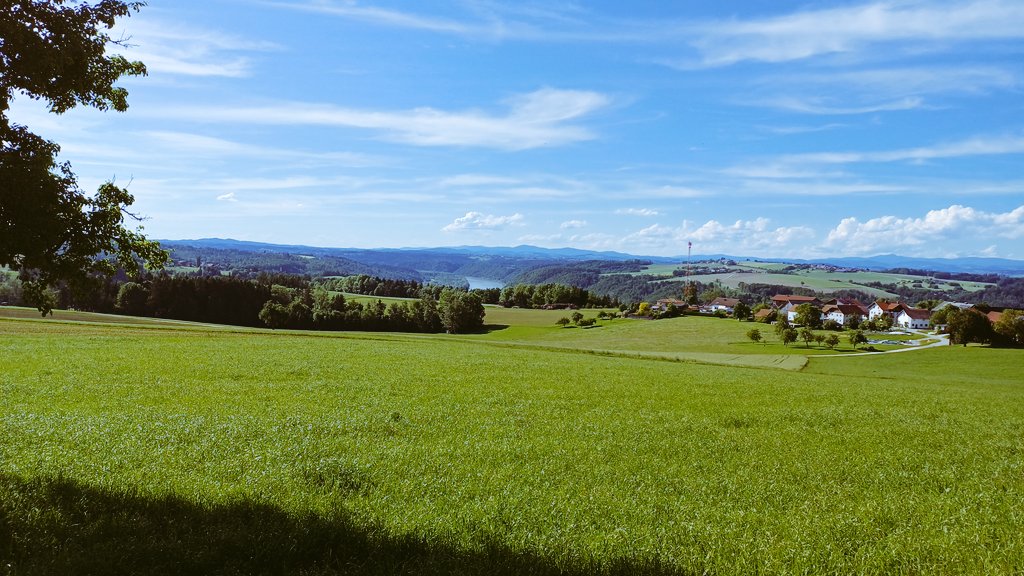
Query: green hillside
189, 450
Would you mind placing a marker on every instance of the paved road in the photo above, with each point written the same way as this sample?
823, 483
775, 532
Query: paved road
943, 341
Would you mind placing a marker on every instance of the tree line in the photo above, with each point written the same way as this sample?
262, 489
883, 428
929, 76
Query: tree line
538, 296
295, 304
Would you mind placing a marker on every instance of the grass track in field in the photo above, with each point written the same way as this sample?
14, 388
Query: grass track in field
170, 451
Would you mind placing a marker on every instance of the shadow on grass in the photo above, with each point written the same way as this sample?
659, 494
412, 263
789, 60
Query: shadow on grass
488, 328
59, 526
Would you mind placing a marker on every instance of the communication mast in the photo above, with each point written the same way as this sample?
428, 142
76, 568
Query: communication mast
688, 291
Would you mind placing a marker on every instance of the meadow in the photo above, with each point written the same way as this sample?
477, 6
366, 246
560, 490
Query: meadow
750, 272
166, 449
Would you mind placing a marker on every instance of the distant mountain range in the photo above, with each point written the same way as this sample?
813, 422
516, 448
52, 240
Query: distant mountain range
413, 258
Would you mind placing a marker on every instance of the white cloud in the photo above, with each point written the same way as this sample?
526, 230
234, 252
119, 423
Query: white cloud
756, 235
167, 48
476, 180
647, 212
743, 237
542, 239
674, 192
977, 146
206, 146
851, 29
775, 171
786, 130
229, 197
534, 120
480, 221
903, 82
374, 15
891, 233
571, 224
807, 106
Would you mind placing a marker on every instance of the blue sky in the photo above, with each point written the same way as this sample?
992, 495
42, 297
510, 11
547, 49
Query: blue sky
762, 128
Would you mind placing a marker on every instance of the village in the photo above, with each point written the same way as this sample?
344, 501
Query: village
835, 313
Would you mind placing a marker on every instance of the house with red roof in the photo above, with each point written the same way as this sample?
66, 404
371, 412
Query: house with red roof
722, 304
890, 309
843, 314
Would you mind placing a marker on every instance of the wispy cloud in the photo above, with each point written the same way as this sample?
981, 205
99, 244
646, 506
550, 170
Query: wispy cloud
903, 82
173, 49
891, 233
822, 108
474, 180
849, 92
851, 29
380, 16
786, 130
647, 212
480, 221
976, 146
536, 119
573, 224
207, 146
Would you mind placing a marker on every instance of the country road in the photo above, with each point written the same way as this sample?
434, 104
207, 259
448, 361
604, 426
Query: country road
943, 341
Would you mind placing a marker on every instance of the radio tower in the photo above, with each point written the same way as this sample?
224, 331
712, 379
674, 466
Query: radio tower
689, 247
688, 289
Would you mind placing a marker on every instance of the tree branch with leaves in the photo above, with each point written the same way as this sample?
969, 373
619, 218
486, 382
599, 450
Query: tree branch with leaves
51, 231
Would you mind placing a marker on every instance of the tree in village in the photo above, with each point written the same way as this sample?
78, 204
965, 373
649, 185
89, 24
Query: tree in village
1010, 327
966, 326
884, 323
807, 335
788, 336
832, 340
808, 315
563, 322
781, 325
741, 311
940, 316
53, 232
857, 338
755, 335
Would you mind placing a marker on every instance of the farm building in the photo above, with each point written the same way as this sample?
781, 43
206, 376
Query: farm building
916, 318
788, 301
723, 304
843, 314
890, 309
663, 304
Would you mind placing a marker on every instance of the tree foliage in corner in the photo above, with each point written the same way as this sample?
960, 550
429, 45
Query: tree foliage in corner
51, 231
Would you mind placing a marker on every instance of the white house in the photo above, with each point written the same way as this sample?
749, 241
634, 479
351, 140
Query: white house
843, 314
890, 309
723, 304
916, 318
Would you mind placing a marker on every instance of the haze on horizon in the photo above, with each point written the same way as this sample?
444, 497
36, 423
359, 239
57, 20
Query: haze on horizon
779, 129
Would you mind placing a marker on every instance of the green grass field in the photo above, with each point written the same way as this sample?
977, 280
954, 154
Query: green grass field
167, 450
820, 280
